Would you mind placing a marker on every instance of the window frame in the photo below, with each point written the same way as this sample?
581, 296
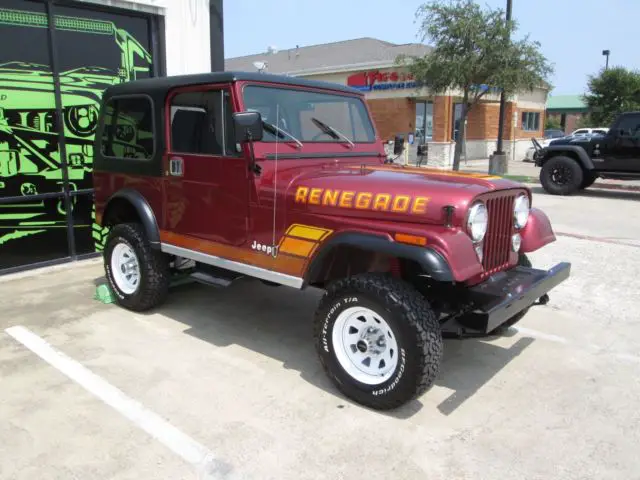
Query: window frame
103, 126
297, 88
426, 103
524, 121
227, 152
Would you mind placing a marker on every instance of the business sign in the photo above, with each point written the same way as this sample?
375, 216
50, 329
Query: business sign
377, 80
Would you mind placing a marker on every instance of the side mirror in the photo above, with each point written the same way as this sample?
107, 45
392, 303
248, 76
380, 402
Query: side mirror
248, 126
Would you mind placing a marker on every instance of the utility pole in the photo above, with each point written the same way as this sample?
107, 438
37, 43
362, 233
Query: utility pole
216, 33
606, 54
500, 163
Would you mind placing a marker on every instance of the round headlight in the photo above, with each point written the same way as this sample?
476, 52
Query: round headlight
477, 222
521, 211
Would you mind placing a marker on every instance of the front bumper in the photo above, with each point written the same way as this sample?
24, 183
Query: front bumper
505, 294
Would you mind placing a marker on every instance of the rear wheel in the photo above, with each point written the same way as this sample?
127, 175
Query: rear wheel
561, 175
378, 340
138, 275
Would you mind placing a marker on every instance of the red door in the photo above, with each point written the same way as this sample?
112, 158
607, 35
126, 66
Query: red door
206, 189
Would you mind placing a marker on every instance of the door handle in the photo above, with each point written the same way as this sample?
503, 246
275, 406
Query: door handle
176, 167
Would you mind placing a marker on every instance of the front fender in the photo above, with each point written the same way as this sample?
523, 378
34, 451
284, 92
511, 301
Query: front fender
577, 151
538, 231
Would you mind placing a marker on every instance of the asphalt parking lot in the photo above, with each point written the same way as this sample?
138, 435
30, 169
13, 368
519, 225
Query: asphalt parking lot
226, 384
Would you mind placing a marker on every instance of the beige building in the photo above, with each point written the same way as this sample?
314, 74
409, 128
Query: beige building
399, 107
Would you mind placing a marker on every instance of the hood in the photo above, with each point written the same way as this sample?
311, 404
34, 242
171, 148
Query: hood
577, 139
390, 192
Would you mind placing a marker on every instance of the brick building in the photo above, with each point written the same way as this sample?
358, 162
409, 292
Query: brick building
567, 110
399, 107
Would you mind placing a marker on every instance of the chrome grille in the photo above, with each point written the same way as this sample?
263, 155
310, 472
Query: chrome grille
497, 241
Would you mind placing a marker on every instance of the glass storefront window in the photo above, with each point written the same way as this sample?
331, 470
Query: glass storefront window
424, 122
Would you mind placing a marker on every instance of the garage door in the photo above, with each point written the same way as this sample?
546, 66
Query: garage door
51, 81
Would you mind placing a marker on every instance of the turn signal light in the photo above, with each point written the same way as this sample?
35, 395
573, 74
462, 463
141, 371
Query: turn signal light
410, 239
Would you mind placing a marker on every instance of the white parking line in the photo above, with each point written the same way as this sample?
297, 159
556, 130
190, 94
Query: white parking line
592, 347
205, 463
542, 335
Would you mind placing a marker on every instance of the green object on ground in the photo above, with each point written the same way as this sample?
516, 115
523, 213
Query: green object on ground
104, 294
522, 178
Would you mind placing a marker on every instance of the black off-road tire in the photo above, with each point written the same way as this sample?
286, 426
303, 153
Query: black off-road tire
155, 274
412, 322
588, 180
523, 261
570, 168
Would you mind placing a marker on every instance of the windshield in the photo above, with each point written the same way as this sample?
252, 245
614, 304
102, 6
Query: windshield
306, 115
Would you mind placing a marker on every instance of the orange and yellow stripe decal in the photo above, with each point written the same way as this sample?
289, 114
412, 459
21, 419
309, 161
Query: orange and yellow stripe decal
296, 247
288, 264
302, 240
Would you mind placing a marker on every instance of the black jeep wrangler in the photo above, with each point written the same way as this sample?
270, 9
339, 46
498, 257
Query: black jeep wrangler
573, 163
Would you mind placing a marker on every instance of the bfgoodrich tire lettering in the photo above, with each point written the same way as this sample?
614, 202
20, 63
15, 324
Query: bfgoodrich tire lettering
414, 326
153, 266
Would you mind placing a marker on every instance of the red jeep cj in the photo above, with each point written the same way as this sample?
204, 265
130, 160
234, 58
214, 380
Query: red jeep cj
228, 175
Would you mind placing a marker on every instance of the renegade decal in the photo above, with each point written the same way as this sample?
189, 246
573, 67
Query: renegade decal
302, 240
362, 200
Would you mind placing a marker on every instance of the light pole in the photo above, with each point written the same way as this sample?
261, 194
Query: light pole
502, 108
606, 54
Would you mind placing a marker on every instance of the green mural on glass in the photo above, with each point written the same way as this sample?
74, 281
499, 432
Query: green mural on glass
30, 156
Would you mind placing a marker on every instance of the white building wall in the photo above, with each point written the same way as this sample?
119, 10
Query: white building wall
187, 31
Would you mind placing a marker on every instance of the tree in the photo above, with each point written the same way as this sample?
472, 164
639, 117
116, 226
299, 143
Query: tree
473, 51
552, 123
611, 92
586, 121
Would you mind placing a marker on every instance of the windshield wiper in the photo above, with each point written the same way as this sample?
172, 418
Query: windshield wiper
329, 130
280, 132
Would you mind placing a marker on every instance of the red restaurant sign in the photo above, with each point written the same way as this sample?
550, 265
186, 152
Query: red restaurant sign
377, 80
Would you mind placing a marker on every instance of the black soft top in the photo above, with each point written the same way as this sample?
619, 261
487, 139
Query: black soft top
158, 87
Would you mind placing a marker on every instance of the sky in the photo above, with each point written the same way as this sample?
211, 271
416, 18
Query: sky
572, 33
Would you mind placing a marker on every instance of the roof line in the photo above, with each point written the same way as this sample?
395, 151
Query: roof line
340, 68
315, 45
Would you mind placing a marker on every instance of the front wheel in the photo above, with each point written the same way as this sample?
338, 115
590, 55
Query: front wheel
378, 340
138, 275
561, 175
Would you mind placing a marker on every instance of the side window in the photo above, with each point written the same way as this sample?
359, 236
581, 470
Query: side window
201, 123
128, 131
530, 121
630, 126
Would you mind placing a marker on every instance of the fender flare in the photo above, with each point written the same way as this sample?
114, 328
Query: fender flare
431, 261
583, 158
145, 213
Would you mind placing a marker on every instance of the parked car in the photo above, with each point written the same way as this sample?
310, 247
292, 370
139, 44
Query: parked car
553, 133
549, 134
573, 163
589, 131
